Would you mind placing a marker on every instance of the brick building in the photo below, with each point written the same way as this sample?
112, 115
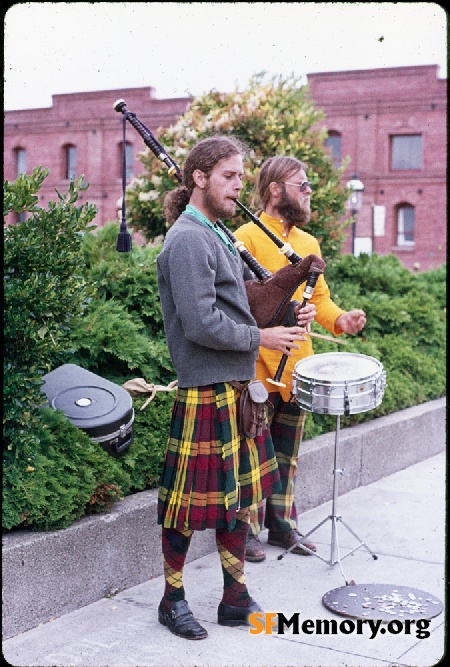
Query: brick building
390, 122
81, 133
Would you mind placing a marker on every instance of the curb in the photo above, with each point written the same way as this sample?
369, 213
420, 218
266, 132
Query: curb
49, 574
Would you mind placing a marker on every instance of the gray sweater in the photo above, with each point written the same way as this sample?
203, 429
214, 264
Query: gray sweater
211, 334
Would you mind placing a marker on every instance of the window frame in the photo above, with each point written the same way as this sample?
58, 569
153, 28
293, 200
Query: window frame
336, 157
400, 226
20, 156
416, 161
70, 169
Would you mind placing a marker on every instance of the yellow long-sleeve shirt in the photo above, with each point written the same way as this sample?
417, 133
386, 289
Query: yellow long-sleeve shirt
264, 250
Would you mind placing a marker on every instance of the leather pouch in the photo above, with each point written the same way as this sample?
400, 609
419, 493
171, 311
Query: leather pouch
253, 409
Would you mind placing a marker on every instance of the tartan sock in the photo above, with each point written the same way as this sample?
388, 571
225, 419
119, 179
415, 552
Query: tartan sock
175, 545
231, 547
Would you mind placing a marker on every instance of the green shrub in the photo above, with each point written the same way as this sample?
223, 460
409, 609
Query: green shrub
52, 472
121, 332
67, 478
121, 337
44, 289
143, 460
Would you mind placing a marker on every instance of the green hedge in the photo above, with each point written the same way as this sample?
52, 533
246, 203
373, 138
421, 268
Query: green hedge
44, 289
71, 298
405, 330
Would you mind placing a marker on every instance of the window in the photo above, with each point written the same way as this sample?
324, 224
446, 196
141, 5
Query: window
71, 162
405, 225
129, 159
333, 143
21, 161
406, 151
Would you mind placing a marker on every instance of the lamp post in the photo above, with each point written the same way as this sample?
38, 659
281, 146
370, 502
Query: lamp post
354, 203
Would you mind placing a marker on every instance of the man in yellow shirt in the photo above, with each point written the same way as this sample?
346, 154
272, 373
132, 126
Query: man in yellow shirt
285, 194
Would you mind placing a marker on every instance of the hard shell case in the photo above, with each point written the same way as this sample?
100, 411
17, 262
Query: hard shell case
98, 407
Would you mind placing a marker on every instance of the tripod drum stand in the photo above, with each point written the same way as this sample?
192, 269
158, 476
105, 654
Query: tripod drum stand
340, 383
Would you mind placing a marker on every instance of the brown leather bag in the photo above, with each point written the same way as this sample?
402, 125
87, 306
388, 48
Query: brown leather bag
253, 413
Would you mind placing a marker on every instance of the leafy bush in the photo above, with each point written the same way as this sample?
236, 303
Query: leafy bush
52, 472
68, 477
44, 289
142, 461
405, 330
121, 332
121, 337
272, 117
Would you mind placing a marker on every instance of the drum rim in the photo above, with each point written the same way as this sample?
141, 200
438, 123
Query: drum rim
363, 378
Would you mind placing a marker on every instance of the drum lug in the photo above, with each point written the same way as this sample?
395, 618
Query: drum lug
346, 402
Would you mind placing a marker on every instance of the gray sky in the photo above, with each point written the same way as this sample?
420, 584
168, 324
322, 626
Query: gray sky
190, 48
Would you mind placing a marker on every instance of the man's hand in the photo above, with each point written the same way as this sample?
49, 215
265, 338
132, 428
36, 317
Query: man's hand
351, 322
305, 315
282, 338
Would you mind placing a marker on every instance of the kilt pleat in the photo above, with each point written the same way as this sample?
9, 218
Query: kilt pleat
209, 471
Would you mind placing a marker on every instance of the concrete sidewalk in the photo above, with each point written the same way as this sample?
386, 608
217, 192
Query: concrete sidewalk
400, 517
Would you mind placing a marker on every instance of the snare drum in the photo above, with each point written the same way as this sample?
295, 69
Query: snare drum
338, 383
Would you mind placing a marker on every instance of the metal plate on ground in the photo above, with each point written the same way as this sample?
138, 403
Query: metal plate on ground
382, 601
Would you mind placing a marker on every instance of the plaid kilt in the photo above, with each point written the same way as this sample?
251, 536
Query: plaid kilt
287, 421
209, 470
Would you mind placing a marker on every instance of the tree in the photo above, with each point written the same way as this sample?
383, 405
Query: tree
271, 117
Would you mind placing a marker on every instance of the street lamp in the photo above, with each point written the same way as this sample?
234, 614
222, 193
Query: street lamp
354, 203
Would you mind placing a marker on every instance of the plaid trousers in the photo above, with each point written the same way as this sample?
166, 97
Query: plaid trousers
286, 421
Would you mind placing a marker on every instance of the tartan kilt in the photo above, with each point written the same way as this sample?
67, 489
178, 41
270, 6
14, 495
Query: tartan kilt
209, 470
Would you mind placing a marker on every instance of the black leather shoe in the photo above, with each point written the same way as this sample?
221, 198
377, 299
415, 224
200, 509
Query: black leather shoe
287, 538
231, 615
180, 620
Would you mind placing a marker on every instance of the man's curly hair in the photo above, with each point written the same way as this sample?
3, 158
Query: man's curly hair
203, 156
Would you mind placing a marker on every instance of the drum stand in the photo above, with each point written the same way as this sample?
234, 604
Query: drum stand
335, 556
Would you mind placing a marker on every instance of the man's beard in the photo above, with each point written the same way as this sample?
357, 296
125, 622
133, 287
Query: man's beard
216, 207
292, 212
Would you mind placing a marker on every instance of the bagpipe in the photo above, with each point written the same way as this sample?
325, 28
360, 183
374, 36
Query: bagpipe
270, 294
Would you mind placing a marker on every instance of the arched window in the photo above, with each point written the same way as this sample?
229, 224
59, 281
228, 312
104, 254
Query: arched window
405, 225
70, 161
333, 143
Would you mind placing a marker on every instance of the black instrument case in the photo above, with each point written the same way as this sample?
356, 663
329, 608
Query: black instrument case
98, 407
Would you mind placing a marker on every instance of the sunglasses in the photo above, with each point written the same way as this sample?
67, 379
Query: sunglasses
302, 186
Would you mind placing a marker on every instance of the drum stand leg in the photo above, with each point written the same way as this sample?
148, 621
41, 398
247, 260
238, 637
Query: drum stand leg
335, 556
